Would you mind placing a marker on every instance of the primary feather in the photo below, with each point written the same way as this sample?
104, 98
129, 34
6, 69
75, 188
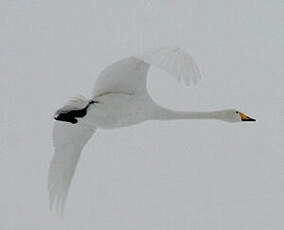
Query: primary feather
68, 141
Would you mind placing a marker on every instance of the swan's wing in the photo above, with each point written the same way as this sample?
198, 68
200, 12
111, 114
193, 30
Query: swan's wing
129, 74
124, 76
175, 61
69, 140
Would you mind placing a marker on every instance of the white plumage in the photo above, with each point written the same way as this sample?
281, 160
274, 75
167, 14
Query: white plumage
120, 98
176, 62
68, 143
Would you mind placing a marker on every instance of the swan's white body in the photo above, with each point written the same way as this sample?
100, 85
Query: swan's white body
119, 110
120, 98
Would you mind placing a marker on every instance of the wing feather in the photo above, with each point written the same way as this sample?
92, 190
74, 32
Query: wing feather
129, 75
125, 76
175, 61
69, 140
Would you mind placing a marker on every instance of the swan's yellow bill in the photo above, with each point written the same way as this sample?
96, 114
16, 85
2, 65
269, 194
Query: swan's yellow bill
245, 117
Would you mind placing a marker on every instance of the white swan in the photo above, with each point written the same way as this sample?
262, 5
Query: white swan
120, 98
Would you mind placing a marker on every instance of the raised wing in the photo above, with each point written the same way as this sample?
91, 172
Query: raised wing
176, 62
125, 76
69, 140
129, 75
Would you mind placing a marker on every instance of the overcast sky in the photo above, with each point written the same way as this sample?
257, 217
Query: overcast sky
156, 175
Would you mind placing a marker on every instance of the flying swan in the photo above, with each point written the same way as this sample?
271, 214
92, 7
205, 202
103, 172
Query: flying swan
120, 98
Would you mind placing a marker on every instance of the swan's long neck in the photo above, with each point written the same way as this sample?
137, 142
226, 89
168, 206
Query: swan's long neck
167, 114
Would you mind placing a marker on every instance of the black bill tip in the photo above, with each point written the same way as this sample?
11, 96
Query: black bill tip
248, 119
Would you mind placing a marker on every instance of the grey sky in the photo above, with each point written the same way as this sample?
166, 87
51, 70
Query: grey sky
156, 175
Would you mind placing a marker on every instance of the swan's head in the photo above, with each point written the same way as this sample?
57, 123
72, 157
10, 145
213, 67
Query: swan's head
232, 115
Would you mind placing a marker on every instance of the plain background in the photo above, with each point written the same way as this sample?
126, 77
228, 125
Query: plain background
156, 175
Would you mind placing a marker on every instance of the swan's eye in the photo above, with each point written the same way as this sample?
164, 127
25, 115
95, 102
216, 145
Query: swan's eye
237, 112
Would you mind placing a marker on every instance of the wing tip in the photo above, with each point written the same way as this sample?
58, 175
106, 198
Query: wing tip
56, 203
176, 61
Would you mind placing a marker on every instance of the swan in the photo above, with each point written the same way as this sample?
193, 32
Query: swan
120, 98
